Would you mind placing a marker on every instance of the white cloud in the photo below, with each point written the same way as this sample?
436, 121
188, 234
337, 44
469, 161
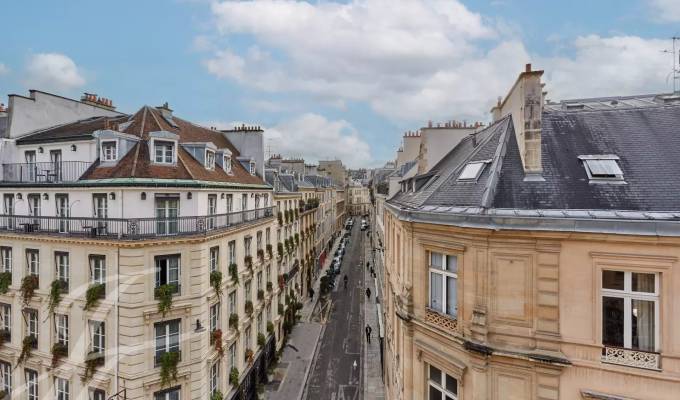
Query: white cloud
4, 70
430, 59
53, 71
666, 10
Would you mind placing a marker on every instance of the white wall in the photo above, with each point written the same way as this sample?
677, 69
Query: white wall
437, 142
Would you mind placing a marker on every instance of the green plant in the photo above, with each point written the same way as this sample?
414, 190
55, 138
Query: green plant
280, 309
164, 295
27, 346
233, 376
249, 308
270, 251
270, 286
216, 339
280, 217
270, 327
248, 261
59, 351
94, 359
279, 250
28, 286
297, 239
169, 361
260, 254
260, 340
5, 281
233, 272
260, 294
287, 214
56, 289
233, 321
216, 282
93, 294
297, 215
217, 396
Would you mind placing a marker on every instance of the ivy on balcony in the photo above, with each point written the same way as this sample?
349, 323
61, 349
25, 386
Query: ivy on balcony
59, 351
260, 254
94, 293
279, 250
27, 346
216, 282
270, 252
164, 295
260, 340
94, 359
249, 308
28, 286
270, 327
5, 281
260, 294
248, 261
56, 290
233, 321
233, 273
280, 217
169, 361
233, 376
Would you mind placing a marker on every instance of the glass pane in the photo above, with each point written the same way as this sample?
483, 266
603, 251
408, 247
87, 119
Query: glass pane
435, 394
612, 321
451, 384
436, 291
451, 296
452, 263
435, 375
436, 260
643, 325
643, 282
613, 280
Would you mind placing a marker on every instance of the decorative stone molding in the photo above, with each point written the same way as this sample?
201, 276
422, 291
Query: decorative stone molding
441, 321
631, 358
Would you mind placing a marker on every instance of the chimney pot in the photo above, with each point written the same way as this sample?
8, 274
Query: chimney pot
528, 68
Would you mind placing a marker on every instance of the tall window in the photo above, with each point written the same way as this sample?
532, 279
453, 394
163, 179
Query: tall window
100, 211
97, 394
167, 210
32, 262
247, 292
34, 206
212, 210
31, 318
98, 340
6, 259
61, 389
441, 386
214, 258
630, 310
61, 329
214, 377
259, 240
31, 169
6, 377
267, 236
61, 263
259, 323
8, 208
232, 252
246, 245
31, 384
164, 152
169, 394
98, 269
62, 208
232, 356
167, 338
227, 164
232, 302
244, 202
109, 151
443, 283
6, 318
247, 338
230, 203
168, 271
259, 281
214, 317
209, 159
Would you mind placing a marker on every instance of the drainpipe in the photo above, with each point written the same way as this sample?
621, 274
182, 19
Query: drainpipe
117, 305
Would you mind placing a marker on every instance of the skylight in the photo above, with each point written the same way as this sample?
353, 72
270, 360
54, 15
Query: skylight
472, 171
602, 167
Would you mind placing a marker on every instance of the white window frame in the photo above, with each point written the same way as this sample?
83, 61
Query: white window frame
232, 356
96, 394
214, 377
209, 159
251, 168
109, 156
32, 262
443, 275
232, 252
31, 323
164, 146
214, 317
6, 377
168, 224
472, 171
628, 295
6, 258
233, 302
158, 271
214, 258
98, 337
97, 268
441, 385
31, 377
61, 389
61, 329
6, 316
226, 162
62, 265
166, 335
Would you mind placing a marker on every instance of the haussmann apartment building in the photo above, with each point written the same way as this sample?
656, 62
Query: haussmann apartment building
539, 258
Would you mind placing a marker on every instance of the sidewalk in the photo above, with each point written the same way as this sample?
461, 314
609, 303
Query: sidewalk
290, 375
373, 383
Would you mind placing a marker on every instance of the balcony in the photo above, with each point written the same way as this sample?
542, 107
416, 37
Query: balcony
631, 358
442, 321
44, 172
134, 228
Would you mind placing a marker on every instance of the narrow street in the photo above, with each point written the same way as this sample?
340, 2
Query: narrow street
337, 370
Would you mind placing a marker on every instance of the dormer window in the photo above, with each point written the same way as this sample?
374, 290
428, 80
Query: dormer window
164, 152
226, 162
472, 171
602, 168
210, 159
109, 150
252, 168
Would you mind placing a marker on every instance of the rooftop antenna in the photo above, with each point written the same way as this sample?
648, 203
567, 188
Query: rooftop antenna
676, 62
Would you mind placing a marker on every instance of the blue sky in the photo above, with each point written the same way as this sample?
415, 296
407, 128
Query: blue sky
333, 79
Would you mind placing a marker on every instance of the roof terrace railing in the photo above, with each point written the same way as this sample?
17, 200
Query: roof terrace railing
44, 172
133, 228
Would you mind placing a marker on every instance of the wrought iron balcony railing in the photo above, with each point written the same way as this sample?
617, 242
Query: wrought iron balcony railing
44, 172
133, 228
631, 357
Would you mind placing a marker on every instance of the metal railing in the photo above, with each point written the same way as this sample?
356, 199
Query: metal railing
44, 172
132, 228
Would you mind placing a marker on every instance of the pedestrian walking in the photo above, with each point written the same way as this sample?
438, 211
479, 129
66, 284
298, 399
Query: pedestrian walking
345, 279
368, 293
368, 333
368, 264
311, 294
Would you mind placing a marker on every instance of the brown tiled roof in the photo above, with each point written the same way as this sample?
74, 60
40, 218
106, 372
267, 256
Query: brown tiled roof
81, 129
137, 164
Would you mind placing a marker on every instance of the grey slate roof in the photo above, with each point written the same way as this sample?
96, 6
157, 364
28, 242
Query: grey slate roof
643, 132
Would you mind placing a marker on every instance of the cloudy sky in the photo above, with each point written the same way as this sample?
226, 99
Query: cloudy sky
334, 79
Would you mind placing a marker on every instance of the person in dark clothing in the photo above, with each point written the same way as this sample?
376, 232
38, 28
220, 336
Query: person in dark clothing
368, 264
345, 279
368, 333
368, 293
311, 293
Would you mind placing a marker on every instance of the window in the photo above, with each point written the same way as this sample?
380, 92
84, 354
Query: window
227, 164
98, 269
164, 152
244, 202
31, 321
167, 210
214, 377
472, 171
6, 318
100, 206
167, 338
8, 208
443, 283
61, 329
210, 159
232, 302
251, 168
232, 252
61, 389
441, 386
259, 323
602, 167
232, 356
97, 394
34, 206
110, 150
230, 203
247, 291
257, 201
61, 263
267, 236
98, 340
212, 210
169, 394
31, 170
259, 281
63, 211
246, 245
259, 240
214, 258
247, 339
630, 310
31, 377
214, 317
168, 271
6, 259
32, 262
6, 377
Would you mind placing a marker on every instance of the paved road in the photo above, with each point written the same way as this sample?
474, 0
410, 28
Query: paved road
335, 376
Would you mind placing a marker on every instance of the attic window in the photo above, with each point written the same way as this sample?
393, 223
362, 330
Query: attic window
109, 150
226, 163
252, 168
164, 152
472, 171
210, 159
602, 167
